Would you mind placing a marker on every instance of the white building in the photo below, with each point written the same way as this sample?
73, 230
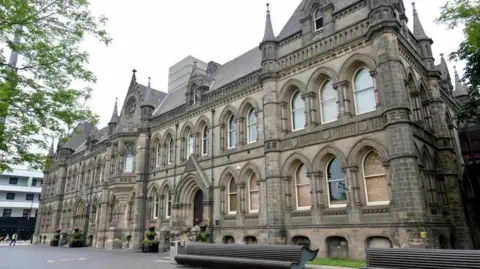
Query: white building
19, 198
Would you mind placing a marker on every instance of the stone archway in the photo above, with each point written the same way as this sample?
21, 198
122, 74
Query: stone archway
192, 202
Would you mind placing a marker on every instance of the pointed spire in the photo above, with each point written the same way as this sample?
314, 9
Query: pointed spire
148, 99
459, 87
133, 82
114, 118
418, 31
51, 152
269, 35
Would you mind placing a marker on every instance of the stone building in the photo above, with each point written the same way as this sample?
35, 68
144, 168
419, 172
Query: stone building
334, 133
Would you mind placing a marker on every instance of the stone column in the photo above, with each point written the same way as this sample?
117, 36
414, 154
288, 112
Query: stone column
242, 136
408, 198
283, 118
102, 226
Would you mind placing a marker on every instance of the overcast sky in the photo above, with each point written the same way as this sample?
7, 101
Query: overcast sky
152, 35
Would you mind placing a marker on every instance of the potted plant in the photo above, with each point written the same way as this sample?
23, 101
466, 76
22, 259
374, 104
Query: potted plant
203, 236
56, 238
150, 245
76, 239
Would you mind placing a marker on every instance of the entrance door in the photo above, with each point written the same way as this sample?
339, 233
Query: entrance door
198, 208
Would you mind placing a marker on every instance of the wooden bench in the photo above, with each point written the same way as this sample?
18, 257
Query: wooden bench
414, 258
235, 256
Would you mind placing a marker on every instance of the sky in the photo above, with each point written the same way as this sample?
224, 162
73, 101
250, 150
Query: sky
152, 35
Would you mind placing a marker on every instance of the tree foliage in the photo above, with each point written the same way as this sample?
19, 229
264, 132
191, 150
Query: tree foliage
37, 98
466, 13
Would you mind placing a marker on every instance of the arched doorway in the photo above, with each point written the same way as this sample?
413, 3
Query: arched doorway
198, 208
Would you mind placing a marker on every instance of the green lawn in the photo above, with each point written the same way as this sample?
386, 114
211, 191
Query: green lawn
338, 262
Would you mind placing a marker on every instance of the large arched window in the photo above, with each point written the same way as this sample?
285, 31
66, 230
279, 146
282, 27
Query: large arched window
297, 112
155, 206
168, 204
232, 197
336, 184
328, 102
302, 186
364, 92
205, 140
159, 155
254, 194
252, 126
189, 144
232, 132
318, 20
128, 165
375, 177
170, 151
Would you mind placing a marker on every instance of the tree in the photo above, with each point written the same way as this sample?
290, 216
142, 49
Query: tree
466, 13
37, 99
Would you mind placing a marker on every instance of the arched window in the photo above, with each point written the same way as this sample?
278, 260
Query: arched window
375, 176
254, 194
318, 20
155, 205
159, 154
189, 144
328, 102
232, 197
302, 186
170, 151
336, 184
168, 204
364, 91
298, 112
128, 166
205, 140
251, 126
232, 133
195, 96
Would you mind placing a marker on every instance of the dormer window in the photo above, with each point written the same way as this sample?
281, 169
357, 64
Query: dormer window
193, 92
318, 20
195, 96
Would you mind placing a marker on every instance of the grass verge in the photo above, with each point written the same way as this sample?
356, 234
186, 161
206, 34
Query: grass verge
338, 262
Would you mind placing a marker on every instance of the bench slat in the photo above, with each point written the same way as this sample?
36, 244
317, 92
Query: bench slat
230, 263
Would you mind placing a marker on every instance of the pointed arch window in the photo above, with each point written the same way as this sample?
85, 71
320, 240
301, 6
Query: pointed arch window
155, 205
232, 197
189, 144
159, 155
375, 179
297, 107
128, 165
302, 187
318, 19
205, 140
328, 102
232, 132
364, 91
252, 126
168, 206
336, 184
195, 100
170, 151
254, 194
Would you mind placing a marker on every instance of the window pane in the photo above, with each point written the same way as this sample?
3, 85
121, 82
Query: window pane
335, 170
297, 102
298, 119
301, 175
252, 133
363, 80
329, 110
337, 191
233, 202
253, 182
304, 197
128, 158
318, 13
232, 187
252, 118
328, 92
373, 165
377, 189
365, 100
255, 200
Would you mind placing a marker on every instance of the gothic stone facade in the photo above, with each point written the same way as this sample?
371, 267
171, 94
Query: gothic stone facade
335, 133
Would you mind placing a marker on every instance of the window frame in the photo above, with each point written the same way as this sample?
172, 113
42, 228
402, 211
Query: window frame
315, 19
168, 205
127, 156
190, 144
13, 181
250, 191
27, 211
293, 112
252, 126
230, 212
205, 138
158, 160
322, 87
170, 151
155, 205
231, 132
330, 204
32, 195
355, 74
296, 189
9, 210
11, 195
376, 175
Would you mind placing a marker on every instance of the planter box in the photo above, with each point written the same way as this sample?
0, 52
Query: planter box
150, 249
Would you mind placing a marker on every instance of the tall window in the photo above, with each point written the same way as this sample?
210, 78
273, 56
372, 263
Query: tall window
375, 175
336, 184
302, 186
195, 100
155, 205
189, 144
298, 112
364, 91
168, 206
328, 102
205, 140
251, 126
232, 132
128, 167
232, 197
318, 20
170, 151
159, 154
254, 195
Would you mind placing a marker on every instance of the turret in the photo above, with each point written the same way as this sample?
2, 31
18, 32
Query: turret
268, 46
147, 107
114, 119
424, 42
460, 92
